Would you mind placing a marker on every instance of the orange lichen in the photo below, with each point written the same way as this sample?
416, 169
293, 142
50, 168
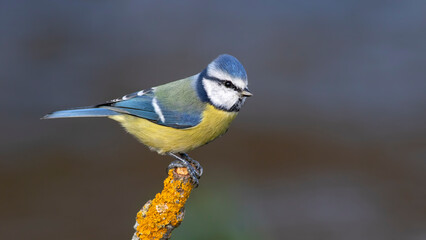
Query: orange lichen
158, 217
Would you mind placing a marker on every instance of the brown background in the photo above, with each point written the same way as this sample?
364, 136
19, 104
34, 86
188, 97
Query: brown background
331, 146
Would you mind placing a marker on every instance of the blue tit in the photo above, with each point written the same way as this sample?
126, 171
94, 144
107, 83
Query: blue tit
179, 116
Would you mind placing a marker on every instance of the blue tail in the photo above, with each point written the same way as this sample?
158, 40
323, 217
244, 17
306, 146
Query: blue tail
83, 112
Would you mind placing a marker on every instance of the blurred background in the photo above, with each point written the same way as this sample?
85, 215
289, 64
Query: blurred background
331, 146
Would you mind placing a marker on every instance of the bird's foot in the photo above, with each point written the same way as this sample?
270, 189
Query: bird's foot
193, 162
182, 161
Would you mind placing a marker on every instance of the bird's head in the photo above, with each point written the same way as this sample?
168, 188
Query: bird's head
225, 83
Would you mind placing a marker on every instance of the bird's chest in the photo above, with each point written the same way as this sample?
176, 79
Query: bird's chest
214, 123
164, 139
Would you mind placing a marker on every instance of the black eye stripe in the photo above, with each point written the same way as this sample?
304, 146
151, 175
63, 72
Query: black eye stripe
229, 84
224, 82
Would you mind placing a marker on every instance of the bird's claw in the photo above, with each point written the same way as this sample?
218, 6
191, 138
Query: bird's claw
194, 168
195, 163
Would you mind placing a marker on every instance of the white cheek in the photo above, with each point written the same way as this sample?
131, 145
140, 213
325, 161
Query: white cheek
219, 95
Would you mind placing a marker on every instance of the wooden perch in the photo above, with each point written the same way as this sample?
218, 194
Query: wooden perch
159, 217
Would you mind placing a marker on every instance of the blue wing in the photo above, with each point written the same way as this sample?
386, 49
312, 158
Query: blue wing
175, 104
144, 104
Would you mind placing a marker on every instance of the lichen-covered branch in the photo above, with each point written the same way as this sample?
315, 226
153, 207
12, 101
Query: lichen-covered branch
160, 216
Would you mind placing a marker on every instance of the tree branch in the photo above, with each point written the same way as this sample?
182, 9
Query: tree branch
160, 216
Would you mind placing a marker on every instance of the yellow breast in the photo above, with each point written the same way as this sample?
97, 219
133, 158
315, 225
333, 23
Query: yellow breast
164, 139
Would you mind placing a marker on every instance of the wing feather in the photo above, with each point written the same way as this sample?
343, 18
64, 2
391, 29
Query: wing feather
140, 104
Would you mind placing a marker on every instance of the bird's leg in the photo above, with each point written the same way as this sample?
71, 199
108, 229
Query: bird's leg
181, 162
194, 162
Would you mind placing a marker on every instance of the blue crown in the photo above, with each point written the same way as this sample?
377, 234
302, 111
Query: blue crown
230, 65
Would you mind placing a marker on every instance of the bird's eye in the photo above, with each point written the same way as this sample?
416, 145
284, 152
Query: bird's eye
228, 84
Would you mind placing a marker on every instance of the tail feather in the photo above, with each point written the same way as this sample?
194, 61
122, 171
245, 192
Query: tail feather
84, 112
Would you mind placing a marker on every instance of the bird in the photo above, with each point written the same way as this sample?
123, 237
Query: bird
177, 117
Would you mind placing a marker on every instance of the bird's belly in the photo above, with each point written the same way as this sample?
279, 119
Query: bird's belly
166, 139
